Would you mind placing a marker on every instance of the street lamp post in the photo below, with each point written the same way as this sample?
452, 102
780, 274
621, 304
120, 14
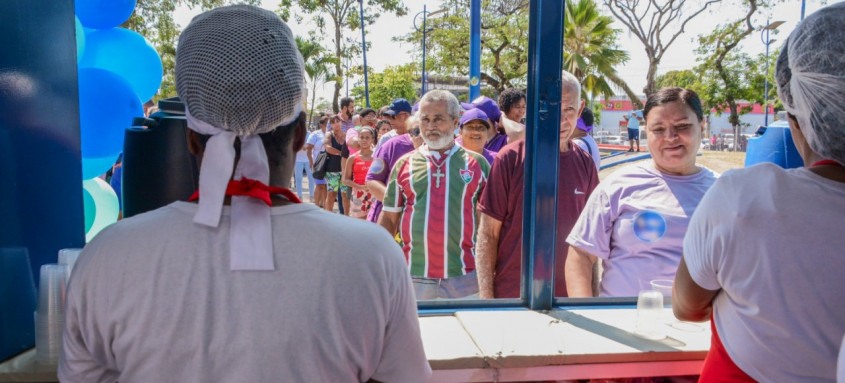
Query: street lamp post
425, 14
474, 49
803, 7
765, 37
364, 50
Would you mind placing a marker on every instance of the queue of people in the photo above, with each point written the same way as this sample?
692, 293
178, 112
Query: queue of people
756, 250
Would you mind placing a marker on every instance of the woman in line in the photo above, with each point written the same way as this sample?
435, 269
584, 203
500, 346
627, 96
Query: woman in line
383, 127
765, 251
333, 143
636, 219
355, 173
512, 103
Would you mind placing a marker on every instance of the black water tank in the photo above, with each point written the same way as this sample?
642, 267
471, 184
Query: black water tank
157, 167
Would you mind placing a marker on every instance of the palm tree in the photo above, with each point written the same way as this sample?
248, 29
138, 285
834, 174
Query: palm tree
317, 66
590, 51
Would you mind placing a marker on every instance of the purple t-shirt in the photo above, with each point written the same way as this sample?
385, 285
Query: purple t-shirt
497, 143
383, 160
490, 156
635, 221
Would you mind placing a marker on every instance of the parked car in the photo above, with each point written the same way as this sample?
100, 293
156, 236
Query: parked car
614, 140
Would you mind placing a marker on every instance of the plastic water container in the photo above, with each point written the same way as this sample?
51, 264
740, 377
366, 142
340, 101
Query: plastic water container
775, 146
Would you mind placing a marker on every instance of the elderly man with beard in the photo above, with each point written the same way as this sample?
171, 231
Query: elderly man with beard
431, 201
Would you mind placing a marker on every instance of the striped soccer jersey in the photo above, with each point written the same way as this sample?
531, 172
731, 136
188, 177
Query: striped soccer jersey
437, 197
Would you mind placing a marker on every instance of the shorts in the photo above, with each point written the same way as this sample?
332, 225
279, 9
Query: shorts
319, 182
462, 286
633, 134
333, 184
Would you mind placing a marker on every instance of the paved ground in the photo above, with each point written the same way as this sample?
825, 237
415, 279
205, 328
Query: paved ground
716, 161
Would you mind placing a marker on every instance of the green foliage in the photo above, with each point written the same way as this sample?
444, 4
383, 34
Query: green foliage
317, 66
339, 19
504, 41
393, 82
728, 75
685, 78
590, 50
154, 20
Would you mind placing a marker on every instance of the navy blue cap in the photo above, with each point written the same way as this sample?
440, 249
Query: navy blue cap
398, 105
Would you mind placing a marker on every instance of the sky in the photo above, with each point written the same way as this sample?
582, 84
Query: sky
681, 55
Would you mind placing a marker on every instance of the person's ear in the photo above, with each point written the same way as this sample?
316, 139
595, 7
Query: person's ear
581, 108
299, 133
195, 146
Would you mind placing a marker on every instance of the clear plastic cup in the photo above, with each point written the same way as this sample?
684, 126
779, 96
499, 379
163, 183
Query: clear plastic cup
650, 323
68, 257
664, 286
50, 318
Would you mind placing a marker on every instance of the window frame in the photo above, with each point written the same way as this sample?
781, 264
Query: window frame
543, 97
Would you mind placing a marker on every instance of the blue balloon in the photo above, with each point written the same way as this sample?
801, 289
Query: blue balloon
96, 166
80, 40
102, 14
127, 54
107, 106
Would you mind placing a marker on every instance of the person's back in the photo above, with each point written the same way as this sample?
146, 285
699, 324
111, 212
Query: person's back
244, 283
763, 256
787, 273
175, 312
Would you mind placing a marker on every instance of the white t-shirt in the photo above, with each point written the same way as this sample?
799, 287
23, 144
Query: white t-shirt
315, 138
773, 241
635, 222
589, 145
152, 299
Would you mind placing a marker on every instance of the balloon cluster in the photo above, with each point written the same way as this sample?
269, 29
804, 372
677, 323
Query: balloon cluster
118, 70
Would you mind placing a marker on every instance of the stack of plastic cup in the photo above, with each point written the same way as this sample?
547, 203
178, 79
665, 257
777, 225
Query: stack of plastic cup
68, 257
50, 317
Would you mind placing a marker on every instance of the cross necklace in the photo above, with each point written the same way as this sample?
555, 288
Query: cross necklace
439, 174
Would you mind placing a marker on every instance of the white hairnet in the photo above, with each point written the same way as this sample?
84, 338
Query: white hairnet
238, 68
240, 74
811, 80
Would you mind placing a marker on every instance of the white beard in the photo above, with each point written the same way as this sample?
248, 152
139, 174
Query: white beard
440, 143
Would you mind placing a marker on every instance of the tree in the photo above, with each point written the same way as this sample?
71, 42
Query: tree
504, 42
393, 82
154, 20
590, 51
341, 18
316, 66
686, 78
648, 21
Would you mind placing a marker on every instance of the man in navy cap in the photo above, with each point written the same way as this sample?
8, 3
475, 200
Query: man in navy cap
398, 114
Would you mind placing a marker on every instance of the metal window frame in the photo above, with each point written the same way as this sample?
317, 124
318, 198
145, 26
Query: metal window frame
545, 65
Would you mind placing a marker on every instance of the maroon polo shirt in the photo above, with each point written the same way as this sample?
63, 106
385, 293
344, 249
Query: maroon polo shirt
502, 199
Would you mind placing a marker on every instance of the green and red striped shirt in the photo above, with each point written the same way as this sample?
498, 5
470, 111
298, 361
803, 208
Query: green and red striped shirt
437, 196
